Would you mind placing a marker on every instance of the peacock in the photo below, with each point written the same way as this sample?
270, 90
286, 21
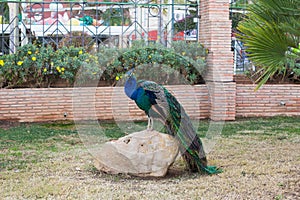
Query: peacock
158, 103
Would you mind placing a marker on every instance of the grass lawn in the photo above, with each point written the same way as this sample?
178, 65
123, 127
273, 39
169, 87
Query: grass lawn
260, 159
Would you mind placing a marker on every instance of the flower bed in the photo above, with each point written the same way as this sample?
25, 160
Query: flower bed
37, 66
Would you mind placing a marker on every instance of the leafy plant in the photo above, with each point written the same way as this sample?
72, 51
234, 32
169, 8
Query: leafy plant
23, 66
78, 39
42, 66
188, 22
182, 59
239, 4
33, 66
116, 17
270, 28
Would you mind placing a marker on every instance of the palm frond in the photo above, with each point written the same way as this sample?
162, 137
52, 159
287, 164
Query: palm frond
269, 29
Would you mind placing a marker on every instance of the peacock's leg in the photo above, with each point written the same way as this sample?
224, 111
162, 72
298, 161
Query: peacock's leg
150, 124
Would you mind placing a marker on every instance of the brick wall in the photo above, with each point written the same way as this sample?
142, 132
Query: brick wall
268, 100
222, 100
104, 103
107, 103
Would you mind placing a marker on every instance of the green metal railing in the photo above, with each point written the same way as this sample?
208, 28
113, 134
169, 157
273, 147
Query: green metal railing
89, 23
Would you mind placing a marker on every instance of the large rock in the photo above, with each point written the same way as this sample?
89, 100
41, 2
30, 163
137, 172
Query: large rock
145, 153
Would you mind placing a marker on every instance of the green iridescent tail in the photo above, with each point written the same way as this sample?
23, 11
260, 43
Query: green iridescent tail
191, 146
213, 170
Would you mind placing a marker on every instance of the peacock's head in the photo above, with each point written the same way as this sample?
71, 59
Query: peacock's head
130, 84
129, 74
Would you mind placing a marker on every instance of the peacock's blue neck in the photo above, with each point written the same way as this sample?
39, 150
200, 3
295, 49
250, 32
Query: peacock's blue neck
130, 87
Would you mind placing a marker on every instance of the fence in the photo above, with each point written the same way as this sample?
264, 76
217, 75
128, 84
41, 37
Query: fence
88, 23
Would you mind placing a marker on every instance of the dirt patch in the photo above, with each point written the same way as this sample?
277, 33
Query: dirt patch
8, 124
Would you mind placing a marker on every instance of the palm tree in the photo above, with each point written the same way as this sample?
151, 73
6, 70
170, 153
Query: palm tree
269, 30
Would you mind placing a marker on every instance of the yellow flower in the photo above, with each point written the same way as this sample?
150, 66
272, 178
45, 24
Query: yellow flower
51, 63
20, 63
149, 56
183, 53
45, 69
117, 78
2, 63
94, 73
33, 58
29, 52
62, 69
80, 52
57, 68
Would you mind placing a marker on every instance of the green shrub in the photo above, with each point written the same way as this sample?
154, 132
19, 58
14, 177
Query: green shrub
33, 66
42, 66
22, 67
185, 60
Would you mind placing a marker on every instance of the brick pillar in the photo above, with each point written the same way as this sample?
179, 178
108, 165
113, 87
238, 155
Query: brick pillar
215, 35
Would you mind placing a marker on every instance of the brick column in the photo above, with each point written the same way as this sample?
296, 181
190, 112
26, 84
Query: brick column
215, 35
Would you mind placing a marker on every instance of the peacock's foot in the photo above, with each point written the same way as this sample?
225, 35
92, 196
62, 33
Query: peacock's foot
150, 129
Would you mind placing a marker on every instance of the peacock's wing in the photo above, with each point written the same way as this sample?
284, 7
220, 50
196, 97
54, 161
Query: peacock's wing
159, 104
165, 106
168, 107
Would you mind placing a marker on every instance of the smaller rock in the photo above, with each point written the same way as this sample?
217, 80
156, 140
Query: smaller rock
144, 153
